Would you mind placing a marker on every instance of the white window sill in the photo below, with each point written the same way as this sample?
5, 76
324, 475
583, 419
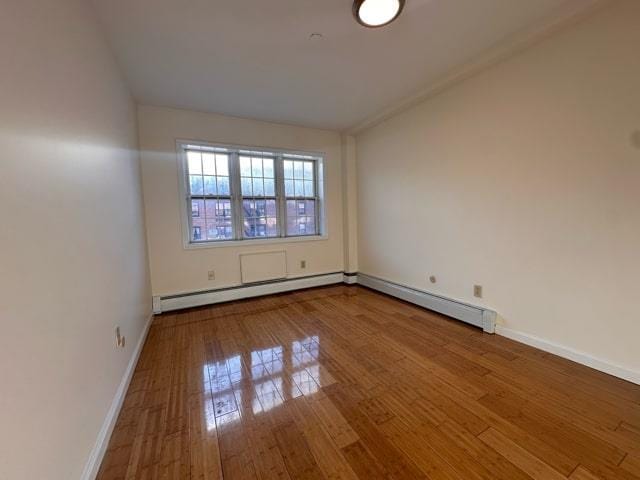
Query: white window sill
254, 242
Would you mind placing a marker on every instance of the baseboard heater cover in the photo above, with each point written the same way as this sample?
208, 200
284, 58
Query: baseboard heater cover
472, 314
197, 299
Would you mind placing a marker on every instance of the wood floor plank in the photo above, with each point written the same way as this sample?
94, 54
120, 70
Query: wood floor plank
533, 466
345, 383
632, 464
582, 473
296, 453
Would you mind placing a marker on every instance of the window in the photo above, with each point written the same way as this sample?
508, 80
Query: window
244, 194
259, 200
299, 190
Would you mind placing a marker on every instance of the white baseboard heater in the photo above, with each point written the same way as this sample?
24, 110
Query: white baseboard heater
472, 314
209, 297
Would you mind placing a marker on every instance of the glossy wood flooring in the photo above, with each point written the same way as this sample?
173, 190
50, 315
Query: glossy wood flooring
342, 382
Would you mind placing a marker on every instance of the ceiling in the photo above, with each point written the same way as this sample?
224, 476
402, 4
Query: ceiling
254, 58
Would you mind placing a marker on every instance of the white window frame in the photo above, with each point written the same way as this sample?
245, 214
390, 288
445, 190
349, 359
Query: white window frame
182, 146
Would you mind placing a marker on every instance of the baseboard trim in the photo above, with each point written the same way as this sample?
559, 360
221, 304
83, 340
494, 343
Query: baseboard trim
472, 314
570, 354
99, 449
210, 297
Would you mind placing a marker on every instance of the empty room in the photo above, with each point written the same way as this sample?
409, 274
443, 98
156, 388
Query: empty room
320, 239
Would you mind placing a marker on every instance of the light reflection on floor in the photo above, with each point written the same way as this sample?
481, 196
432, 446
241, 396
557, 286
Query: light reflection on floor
263, 379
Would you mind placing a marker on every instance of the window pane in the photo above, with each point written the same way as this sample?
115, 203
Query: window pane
196, 186
308, 189
258, 188
260, 218
308, 171
246, 187
198, 220
288, 188
269, 187
272, 227
219, 221
208, 163
223, 185
306, 226
271, 208
249, 227
299, 178
196, 206
268, 168
245, 166
210, 186
222, 165
288, 169
301, 217
310, 208
195, 163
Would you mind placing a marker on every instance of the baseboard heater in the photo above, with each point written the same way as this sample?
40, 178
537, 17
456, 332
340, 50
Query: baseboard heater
197, 299
472, 314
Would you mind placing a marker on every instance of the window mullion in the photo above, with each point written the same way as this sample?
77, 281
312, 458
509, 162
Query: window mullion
281, 201
236, 195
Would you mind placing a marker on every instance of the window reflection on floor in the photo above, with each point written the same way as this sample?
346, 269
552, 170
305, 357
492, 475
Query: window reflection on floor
262, 380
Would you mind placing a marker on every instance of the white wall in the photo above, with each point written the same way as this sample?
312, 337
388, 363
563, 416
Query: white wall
175, 269
524, 179
72, 249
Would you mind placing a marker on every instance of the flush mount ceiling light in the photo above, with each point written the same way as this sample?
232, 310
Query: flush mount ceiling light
377, 13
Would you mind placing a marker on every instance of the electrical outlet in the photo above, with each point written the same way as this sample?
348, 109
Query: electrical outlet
303, 264
477, 291
433, 279
211, 274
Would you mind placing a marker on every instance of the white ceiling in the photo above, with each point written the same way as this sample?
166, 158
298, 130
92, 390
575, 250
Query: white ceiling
254, 58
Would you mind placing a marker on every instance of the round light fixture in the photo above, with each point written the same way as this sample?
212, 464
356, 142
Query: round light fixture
377, 13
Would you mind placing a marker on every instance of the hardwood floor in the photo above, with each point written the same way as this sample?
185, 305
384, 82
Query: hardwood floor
342, 382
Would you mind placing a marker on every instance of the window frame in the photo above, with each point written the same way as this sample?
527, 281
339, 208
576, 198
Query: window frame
237, 213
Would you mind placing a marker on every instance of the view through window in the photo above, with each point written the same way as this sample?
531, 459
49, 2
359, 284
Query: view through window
238, 194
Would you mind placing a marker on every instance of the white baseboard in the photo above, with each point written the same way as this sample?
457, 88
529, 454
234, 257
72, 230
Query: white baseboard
99, 449
472, 314
570, 354
197, 299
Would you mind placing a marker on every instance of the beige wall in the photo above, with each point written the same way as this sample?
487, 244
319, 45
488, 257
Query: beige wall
72, 248
175, 269
350, 209
525, 179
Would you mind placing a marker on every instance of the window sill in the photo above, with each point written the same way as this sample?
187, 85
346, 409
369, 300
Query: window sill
254, 242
